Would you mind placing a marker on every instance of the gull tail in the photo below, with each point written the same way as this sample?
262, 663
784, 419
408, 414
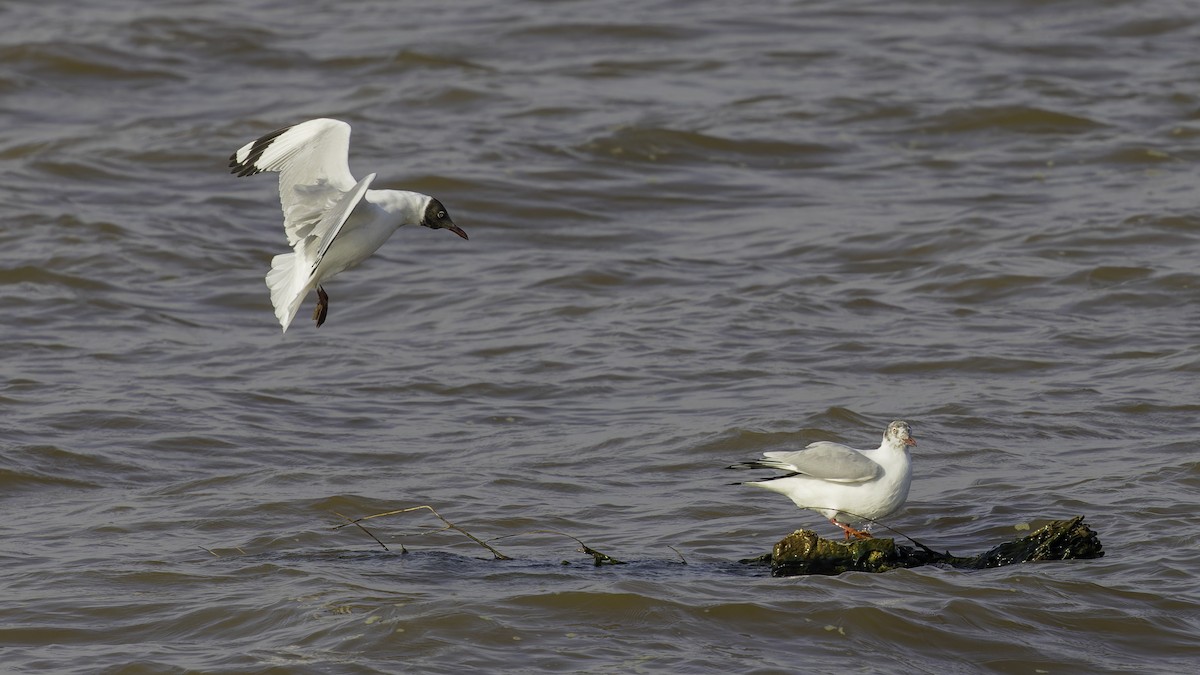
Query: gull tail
763, 464
288, 285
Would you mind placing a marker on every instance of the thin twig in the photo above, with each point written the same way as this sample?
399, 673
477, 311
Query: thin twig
597, 556
681, 558
449, 525
218, 555
355, 523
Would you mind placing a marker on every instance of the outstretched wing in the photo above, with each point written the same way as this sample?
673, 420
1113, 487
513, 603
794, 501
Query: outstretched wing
825, 460
314, 173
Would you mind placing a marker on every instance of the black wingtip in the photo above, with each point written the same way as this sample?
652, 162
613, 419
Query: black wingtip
247, 167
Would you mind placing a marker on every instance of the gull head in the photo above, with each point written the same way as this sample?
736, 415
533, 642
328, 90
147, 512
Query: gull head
898, 434
436, 217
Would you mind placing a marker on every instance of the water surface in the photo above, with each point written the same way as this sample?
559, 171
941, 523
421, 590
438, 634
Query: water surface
698, 231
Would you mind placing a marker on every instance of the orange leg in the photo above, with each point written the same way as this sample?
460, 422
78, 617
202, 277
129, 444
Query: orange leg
850, 531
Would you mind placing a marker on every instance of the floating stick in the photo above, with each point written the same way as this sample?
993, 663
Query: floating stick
597, 556
449, 526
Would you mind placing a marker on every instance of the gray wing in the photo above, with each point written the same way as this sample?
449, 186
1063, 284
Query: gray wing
827, 461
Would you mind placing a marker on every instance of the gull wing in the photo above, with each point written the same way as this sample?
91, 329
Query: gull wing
331, 224
825, 460
314, 173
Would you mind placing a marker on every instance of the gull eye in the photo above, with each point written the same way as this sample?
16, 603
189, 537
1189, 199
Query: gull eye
441, 214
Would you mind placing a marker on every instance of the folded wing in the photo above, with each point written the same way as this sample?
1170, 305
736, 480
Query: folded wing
825, 460
332, 222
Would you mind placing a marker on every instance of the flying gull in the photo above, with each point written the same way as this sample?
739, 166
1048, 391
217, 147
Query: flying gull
332, 221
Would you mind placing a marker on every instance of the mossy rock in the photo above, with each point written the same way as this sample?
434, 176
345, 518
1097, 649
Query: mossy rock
804, 552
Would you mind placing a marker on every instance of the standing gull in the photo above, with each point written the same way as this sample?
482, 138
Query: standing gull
841, 483
332, 221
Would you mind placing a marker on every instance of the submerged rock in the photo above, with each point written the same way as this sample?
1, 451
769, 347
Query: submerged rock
1060, 540
804, 552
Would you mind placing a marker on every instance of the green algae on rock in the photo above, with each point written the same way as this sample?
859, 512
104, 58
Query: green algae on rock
804, 552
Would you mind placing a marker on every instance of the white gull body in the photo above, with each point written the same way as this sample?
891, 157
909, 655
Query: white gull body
332, 221
843, 484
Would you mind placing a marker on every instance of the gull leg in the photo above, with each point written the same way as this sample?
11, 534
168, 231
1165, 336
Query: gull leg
850, 531
322, 307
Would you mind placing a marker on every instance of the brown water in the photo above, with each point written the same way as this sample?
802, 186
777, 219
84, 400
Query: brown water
699, 230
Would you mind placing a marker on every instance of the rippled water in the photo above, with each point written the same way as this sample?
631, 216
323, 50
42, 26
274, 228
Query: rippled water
699, 230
